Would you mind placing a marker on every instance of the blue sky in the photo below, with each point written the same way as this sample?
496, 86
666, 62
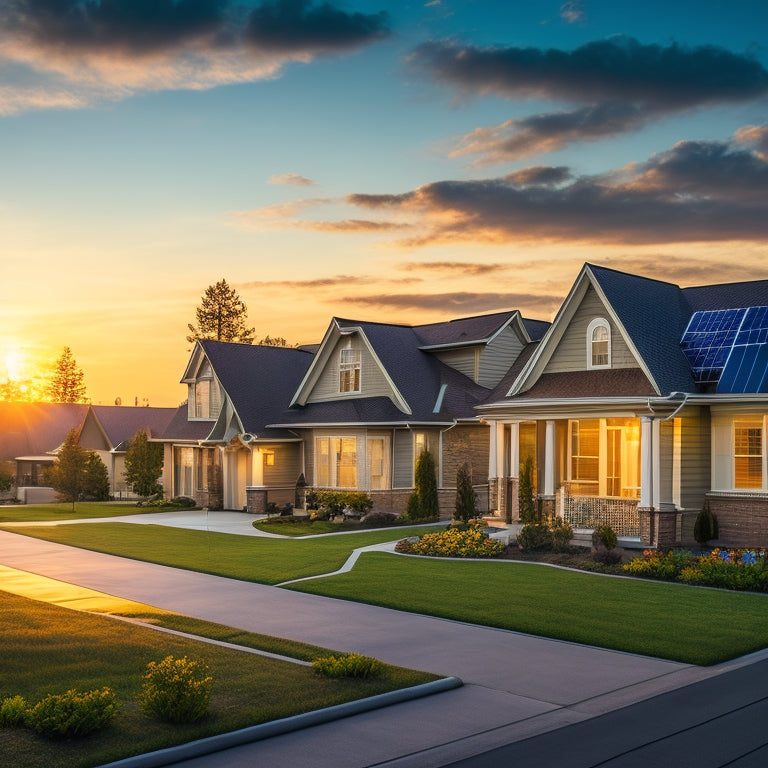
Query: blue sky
405, 162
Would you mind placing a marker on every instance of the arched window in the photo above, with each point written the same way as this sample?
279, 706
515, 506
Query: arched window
599, 344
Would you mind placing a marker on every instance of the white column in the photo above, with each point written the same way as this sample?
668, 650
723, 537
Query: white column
257, 467
656, 459
514, 449
646, 462
493, 464
498, 428
549, 459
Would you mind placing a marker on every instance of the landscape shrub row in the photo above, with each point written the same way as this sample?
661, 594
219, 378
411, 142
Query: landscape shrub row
174, 690
335, 502
453, 542
738, 569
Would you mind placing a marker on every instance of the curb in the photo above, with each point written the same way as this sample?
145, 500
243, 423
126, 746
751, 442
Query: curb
253, 733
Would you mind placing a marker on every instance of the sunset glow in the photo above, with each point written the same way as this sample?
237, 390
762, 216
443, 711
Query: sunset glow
375, 160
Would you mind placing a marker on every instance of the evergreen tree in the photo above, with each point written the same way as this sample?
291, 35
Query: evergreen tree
425, 483
525, 492
221, 316
78, 474
67, 382
143, 465
466, 498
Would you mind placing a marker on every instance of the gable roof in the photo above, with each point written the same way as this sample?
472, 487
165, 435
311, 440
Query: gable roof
120, 422
35, 429
258, 380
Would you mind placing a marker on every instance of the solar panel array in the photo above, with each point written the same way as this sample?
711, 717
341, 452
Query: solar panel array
729, 347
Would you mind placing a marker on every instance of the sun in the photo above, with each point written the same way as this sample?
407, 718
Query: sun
14, 363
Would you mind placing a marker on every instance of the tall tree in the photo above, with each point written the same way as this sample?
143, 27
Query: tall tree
221, 316
67, 383
143, 465
77, 473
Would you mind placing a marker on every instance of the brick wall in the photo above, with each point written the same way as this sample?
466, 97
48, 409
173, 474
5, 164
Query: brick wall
742, 520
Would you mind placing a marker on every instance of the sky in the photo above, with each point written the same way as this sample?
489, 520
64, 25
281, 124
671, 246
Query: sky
405, 162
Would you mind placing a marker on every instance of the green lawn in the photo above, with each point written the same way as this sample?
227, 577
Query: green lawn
671, 621
43, 513
49, 649
249, 558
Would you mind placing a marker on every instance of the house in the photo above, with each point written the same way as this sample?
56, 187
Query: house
642, 402
108, 430
353, 413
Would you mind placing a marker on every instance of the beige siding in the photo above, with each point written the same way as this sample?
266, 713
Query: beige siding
464, 360
497, 358
373, 382
402, 465
695, 457
287, 466
571, 352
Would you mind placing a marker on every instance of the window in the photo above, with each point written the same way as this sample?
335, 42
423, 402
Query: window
349, 370
748, 453
183, 466
599, 344
585, 457
378, 463
336, 462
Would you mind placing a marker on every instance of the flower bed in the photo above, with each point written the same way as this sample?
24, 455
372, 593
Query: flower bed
453, 543
741, 569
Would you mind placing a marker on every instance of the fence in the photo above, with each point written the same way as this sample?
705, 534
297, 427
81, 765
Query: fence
591, 511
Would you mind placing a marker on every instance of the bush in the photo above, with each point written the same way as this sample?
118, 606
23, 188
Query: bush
13, 712
413, 508
562, 533
454, 542
73, 713
348, 665
379, 519
466, 498
178, 502
535, 536
705, 528
604, 535
334, 502
6, 481
176, 690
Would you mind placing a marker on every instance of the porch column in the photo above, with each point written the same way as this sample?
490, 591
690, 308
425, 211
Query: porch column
646, 462
493, 460
514, 449
257, 467
549, 459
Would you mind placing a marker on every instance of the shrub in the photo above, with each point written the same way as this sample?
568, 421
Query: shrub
454, 542
413, 508
13, 712
562, 533
379, 519
525, 492
334, 502
659, 565
178, 502
6, 481
604, 535
534, 536
348, 665
705, 528
176, 690
425, 486
73, 713
466, 498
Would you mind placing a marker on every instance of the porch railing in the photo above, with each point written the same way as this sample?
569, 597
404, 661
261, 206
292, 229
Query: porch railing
591, 511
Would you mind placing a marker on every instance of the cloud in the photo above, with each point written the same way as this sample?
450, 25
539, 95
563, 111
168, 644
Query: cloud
460, 302
694, 192
755, 136
620, 84
108, 50
572, 12
290, 180
453, 267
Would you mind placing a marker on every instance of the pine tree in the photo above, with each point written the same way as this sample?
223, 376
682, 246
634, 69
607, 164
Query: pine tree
78, 474
67, 383
143, 465
425, 483
221, 316
466, 498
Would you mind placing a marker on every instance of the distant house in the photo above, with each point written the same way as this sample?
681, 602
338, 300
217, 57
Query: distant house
353, 413
642, 402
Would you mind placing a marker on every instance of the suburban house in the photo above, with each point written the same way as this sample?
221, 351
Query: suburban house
354, 413
32, 433
641, 403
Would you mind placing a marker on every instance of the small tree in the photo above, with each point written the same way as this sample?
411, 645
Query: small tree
143, 465
425, 483
525, 492
67, 382
705, 528
466, 498
78, 474
221, 316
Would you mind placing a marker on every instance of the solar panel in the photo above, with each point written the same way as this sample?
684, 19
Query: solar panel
708, 340
746, 369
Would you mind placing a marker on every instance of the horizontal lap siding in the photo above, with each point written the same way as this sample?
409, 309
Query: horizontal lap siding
497, 358
696, 456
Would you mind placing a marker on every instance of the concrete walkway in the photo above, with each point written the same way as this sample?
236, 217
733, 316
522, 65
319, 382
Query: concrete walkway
516, 685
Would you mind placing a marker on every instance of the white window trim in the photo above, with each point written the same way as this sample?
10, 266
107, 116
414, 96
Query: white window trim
356, 364
332, 469
741, 418
598, 322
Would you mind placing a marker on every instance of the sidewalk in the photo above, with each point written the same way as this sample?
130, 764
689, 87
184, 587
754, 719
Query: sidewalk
515, 685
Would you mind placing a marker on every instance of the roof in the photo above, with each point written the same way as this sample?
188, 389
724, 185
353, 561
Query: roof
120, 423
182, 429
259, 381
34, 429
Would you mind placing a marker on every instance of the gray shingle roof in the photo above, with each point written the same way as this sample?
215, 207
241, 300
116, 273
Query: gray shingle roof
121, 422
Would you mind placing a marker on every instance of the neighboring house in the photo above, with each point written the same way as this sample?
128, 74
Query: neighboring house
352, 414
642, 402
108, 430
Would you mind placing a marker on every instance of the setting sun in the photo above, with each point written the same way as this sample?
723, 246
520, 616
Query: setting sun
14, 363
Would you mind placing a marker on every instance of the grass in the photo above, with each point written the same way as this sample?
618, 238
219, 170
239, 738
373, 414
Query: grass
49, 649
248, 558
286, 527
670, 621
43, 513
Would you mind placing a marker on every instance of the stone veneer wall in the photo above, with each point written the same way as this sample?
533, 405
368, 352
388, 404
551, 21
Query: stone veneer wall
742, 520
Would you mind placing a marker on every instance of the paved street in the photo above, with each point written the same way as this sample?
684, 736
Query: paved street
515, 686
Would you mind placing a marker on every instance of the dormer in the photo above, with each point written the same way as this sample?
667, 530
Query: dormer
203, 390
